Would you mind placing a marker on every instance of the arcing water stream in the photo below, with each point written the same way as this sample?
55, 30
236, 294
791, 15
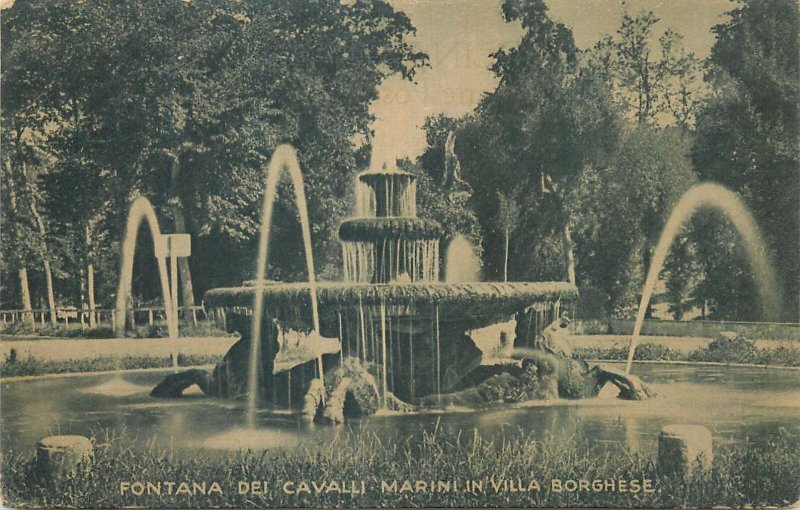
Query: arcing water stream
284, 158
142, 210
710, 195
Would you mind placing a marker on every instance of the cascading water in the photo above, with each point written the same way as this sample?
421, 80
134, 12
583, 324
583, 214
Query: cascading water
710, 195
385, 241
283, 159
359, 261
141, 210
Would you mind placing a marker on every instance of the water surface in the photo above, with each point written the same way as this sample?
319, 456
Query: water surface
736, 404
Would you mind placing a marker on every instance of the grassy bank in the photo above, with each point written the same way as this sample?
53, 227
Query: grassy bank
720, 350
741, 475
29, 366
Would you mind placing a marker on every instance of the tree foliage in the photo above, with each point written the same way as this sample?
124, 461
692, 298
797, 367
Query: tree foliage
747, 136
531, 137
656, 85
618, 210
120, 94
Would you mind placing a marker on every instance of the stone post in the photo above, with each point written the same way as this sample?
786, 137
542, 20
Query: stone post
680, 447
59, 456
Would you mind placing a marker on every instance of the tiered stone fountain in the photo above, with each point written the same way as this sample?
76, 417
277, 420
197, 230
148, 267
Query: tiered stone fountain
415, 334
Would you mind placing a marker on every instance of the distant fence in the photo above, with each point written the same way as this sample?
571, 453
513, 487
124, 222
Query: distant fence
697, 328
86, 317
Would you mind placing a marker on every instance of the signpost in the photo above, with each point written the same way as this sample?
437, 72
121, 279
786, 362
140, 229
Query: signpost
174, 246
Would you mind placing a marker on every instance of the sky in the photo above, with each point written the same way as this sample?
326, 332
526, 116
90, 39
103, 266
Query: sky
459, 35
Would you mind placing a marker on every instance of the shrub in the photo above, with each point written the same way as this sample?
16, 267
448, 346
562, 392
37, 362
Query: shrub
645, 351
727, 349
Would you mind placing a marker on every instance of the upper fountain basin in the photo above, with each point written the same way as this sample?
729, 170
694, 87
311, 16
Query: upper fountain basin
375, 229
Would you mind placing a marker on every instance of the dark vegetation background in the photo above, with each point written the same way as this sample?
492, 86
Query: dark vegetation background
183, 102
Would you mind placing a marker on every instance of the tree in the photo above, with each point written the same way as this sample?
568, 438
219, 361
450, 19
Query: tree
636, 69
681, 87
548, 118
183, 102
507, 217
618, 210
747, 139
654, 88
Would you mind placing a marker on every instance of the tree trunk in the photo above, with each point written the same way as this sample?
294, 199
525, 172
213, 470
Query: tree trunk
90, 279
25, 293
570, 255
505, 263
84, 304
51, 299
185, 274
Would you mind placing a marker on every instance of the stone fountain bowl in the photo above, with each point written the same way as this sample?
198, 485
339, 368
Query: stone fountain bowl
377, 229
474, 305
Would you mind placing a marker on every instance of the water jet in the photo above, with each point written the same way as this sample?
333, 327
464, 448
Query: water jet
713, 196
142, 211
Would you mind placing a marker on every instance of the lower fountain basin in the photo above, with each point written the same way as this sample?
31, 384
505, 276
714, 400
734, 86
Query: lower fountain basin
417, 339
474, 305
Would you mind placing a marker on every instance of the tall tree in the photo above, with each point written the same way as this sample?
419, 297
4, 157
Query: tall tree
636, 68
747, 137
548, 118
654, 84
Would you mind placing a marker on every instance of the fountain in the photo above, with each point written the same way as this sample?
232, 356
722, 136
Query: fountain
715, 196
399, 331
462, 263
284, 159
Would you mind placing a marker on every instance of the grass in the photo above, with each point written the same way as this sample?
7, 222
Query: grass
741, 475
720, 350
29, 366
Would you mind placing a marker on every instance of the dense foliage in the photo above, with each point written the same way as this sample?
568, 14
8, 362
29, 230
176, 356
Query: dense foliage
747, 139
592, 149
183, 102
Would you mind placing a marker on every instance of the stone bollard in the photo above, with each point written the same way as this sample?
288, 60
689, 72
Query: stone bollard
59, 456
680, 447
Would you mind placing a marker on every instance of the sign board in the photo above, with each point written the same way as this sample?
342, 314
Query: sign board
178, 245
